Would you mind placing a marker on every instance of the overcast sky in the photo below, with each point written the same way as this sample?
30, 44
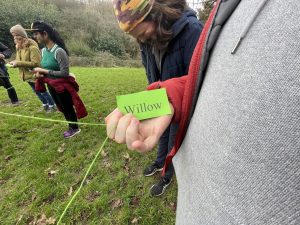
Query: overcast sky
196, 2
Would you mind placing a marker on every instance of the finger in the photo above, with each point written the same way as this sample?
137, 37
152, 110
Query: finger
153, 86
112, 113
112, 124
124, 122
132, 133
146, 145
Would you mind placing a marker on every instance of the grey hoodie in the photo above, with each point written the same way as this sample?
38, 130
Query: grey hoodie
240, 160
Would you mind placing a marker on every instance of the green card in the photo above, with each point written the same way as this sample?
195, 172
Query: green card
145, 104
8, 65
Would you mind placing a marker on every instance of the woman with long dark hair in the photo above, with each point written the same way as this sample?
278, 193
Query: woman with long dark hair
167, 32
55, 72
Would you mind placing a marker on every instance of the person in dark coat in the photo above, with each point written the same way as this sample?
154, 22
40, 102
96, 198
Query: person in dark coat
5, 53
167, 32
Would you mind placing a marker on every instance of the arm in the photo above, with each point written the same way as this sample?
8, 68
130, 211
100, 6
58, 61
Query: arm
4, 50
63, 62
35, 59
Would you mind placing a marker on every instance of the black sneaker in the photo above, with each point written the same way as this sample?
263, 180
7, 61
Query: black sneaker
44, 108
15, 103
159, 188
152, 169
51, 109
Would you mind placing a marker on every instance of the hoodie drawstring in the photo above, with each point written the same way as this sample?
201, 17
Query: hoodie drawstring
248, 25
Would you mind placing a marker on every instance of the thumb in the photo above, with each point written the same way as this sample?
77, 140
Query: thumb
146, 145
153, 86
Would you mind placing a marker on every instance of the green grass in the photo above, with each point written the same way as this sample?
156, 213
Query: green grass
116, 191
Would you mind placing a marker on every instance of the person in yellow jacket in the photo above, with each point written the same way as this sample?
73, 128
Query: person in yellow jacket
28, 56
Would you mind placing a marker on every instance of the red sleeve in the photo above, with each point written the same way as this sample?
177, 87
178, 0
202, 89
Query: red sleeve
175, 90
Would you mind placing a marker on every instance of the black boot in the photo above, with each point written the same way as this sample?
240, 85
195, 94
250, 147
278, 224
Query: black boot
12, 95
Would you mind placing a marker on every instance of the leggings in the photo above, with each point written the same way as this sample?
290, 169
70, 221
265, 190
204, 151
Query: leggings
64, 102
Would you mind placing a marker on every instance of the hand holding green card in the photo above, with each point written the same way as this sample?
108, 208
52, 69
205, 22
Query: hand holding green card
8, 65
146, 104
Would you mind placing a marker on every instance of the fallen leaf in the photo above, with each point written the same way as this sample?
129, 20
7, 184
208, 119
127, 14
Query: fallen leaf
19, 220
126, 167
93, 196
70, 191
43, 220
106, 163
51, 220
87, 181
104, 154
117, 203
173, 206
127, 157
7, 158
135, 201
33, 197
52, 172
62, 148
135, 220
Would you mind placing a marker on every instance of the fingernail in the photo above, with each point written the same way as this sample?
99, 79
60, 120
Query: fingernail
134, 122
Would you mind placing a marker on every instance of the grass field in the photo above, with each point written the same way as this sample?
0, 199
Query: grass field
39, 170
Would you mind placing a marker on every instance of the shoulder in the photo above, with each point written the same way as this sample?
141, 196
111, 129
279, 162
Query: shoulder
33, 47
194, 24
192, 30
60, 52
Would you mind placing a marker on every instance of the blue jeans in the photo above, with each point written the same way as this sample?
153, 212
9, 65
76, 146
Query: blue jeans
45, 97
165, 145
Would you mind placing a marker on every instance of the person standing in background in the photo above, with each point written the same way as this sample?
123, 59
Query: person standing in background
5, 53
28, 56
55, 72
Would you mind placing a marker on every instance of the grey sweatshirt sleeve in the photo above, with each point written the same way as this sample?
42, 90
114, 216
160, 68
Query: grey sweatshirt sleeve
63, 61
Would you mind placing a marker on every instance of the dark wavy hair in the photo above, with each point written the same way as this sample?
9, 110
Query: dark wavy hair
164, 14
53, 34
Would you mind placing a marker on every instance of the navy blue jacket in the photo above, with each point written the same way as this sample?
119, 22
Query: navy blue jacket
176, 60
7, 53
